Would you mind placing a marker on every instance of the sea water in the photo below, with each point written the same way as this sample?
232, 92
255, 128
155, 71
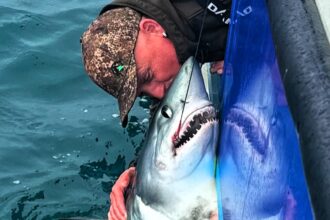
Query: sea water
61, 143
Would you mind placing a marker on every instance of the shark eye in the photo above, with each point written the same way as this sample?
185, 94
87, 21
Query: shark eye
166, 112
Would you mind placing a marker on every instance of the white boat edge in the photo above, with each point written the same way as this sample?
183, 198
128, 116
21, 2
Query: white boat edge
324, 10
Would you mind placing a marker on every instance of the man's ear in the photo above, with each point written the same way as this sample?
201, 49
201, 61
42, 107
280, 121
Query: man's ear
150, 26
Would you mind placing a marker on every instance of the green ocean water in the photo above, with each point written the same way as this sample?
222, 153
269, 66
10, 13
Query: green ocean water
61, 144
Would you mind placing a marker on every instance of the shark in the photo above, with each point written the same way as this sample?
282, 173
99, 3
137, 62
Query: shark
175, 170
256, 151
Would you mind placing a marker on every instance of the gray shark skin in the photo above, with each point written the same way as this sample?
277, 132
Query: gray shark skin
175, 172
255, 156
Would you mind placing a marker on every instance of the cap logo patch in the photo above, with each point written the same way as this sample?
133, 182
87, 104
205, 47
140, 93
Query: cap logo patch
117, 67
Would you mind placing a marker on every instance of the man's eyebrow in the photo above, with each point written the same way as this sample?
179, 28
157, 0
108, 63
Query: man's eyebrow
148, 76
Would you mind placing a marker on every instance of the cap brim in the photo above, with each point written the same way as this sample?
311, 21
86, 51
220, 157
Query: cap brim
128, 91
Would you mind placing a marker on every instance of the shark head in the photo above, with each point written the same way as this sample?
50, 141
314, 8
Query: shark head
256, 150
184, 128
175, 175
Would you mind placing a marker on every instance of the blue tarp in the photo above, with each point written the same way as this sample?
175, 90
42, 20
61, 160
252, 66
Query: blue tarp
259, 170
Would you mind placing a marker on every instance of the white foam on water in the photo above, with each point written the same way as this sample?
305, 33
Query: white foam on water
16, 182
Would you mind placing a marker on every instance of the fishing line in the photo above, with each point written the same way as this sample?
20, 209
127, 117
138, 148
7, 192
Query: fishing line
196, 52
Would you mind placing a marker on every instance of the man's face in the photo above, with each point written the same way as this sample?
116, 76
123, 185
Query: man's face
154, 83
156, 60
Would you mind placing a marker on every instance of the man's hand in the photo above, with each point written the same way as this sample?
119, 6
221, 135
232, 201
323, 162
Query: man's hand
118, 209
217, 67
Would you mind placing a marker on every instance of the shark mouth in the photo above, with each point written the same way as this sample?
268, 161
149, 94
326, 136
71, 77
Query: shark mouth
250, 128
193, 124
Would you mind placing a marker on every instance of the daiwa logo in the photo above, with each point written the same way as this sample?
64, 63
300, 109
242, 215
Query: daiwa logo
212, 7
225, 16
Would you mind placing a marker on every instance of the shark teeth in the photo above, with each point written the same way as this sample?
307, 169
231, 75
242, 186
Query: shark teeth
195, 125
251, 128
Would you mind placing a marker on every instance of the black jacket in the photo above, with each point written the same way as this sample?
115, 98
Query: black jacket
183, 20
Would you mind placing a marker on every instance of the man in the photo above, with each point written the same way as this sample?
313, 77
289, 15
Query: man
137, 47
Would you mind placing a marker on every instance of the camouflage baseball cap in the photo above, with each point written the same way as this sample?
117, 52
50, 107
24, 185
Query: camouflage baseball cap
108, 55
